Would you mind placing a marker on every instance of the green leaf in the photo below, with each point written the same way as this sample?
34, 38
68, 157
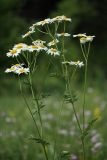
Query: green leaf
86, 131
39, 140
70, 98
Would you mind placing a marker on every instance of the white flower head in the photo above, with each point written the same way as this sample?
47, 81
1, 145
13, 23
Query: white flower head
90, 38
13, 53
42, 23
83, 40
53, 52
78, 64
20, 47
52, 43
32, 28
38, 42
37, 47
66, 62
63, 34
80, 35
22, 70
28, 33
61, 18
13, 68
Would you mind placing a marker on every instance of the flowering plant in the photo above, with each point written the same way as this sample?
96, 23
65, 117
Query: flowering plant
26, 57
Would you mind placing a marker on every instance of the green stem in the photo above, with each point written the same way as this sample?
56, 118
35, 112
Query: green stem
29, 108
45, 152
37, 103
85, 55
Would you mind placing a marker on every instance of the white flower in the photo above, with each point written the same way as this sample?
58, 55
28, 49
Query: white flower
53, 52
78, 63
80, 35
9, 70
90, 38
42, 23
28, 33
22, 70
83, 40
39, 47
66, 62
61, 18
13, 68
63, 34
38, 42
52, 43
20, 47
13, 53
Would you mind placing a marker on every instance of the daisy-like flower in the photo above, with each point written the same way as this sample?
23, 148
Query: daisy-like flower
42, 23
61, 18
22, 70
32, 28
78, 63
63, 34
21, 46
38, 42
90, 38
83, 40
38, 47
13, 68
53, 52
66, 62
13, 53
52, 43
28, 33
80, 35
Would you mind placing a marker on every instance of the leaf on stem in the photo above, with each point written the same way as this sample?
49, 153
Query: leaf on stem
70, 98
88, 128
39, 140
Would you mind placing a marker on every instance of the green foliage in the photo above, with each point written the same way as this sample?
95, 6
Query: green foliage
88, 128
70, 97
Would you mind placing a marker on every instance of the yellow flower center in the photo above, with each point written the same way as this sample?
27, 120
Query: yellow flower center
17, 65
19, 46
53, 50
22, 70
35, 47
12, 69
13, 51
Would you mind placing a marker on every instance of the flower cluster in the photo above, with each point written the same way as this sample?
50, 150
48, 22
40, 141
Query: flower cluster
84, 38
78, 63
63, 34
18, 69
52, 43
46, 22
53, 52
17, 49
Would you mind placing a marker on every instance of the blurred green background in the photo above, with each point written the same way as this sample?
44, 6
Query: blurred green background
15, 18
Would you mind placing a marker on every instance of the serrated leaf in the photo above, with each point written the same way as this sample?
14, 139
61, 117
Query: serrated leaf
70, 98
39, 140
88, 128
40, 107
